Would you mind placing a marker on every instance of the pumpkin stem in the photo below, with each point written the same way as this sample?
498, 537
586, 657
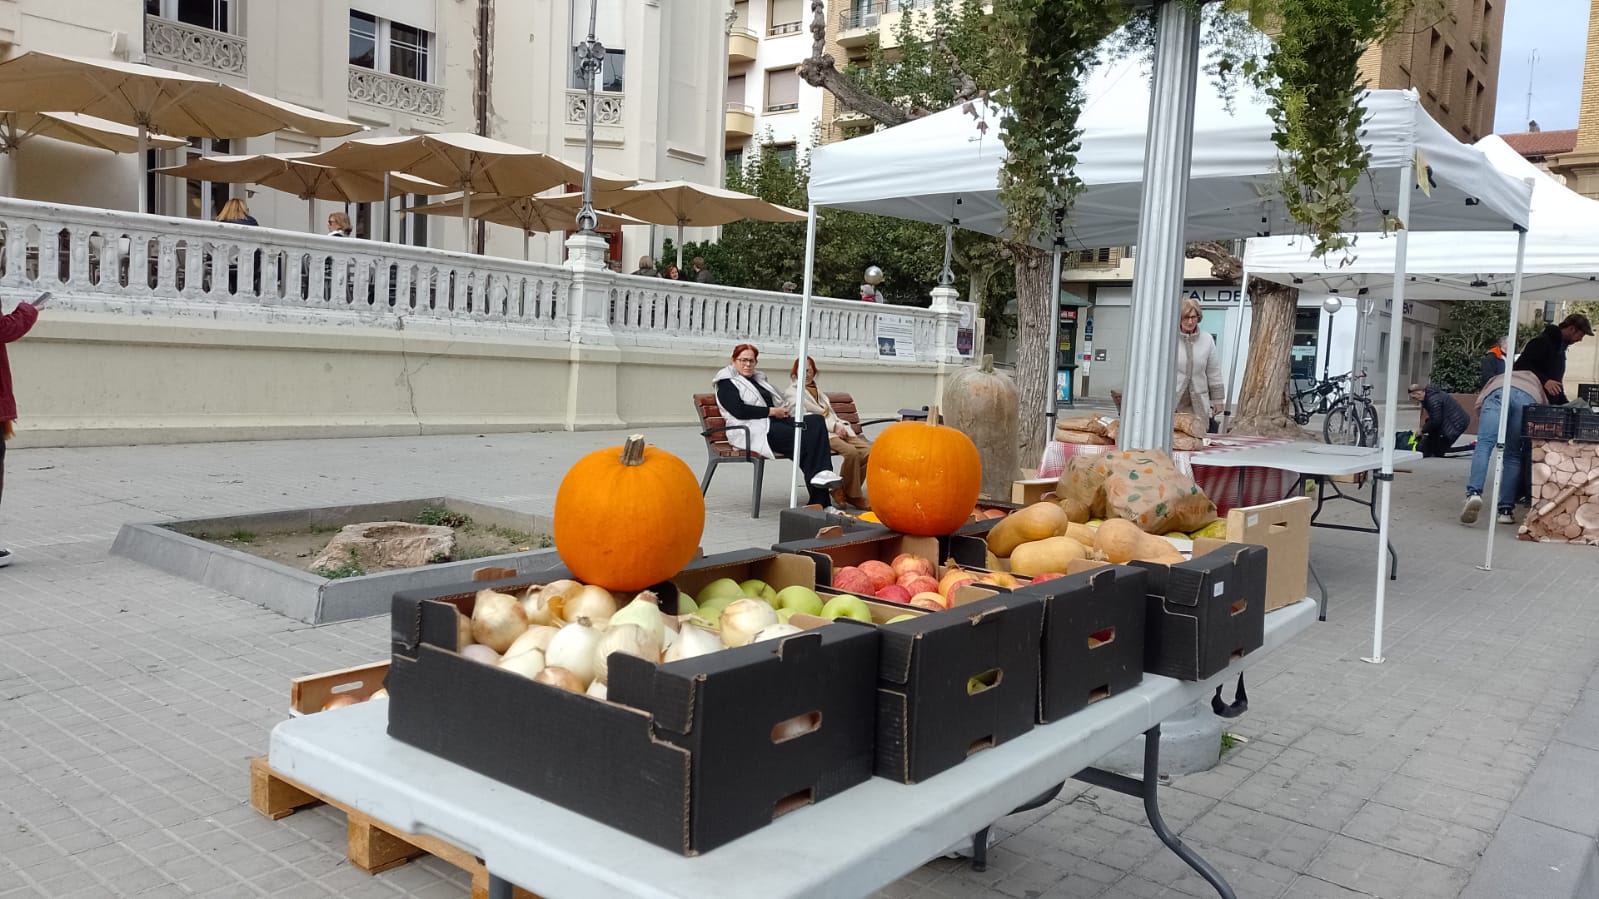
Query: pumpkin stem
633, 450
987, 365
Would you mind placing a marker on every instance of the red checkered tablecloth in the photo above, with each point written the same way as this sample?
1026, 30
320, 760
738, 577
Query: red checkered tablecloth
1228, 488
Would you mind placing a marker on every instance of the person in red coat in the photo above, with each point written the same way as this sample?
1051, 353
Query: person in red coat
12, 327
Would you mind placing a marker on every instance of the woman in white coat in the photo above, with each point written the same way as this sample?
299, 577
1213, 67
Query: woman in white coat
747, 398
841, 439
1199, 385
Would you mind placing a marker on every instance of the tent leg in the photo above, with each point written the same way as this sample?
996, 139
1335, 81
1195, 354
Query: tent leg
804, 341
1052, 370
1504, 396
1238, 343
1396, 330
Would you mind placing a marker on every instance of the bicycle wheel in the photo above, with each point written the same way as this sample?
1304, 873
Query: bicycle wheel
1368, 423
1342, 426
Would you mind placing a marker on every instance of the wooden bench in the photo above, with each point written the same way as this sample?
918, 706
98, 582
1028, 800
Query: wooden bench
719, 449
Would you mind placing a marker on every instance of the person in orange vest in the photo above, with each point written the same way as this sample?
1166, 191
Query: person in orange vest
1492, 362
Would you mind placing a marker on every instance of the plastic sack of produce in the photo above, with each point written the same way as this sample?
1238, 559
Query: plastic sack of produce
1142, 486
1082, 438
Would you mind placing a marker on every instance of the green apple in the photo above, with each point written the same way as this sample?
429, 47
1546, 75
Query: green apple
686, 604
898, 618
711, 609
801, 599
847, 607
755, 588
783, 615
720, 588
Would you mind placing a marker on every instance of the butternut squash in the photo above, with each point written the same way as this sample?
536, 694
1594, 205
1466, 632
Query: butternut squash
1051, 554
1035, 522
1123, 541
1082, 533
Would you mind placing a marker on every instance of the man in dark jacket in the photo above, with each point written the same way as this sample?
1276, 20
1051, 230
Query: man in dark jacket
1492, 363
1545, 355
12, 327
1443, 419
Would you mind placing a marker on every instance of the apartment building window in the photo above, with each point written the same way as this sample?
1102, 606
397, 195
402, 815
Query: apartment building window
785, 155
390, 47
216, 15
785, 16
741, 15
203, 199
735, 92
612, 71
610, 18
782, 89
1435, 58
1446, 78
734, 160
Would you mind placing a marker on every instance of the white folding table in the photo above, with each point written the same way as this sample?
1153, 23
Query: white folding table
1319, 463
848, 845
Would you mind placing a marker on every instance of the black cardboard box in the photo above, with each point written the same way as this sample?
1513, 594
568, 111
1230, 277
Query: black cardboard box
956, 682
810, 523
687, 754
1205, 612
1093, 639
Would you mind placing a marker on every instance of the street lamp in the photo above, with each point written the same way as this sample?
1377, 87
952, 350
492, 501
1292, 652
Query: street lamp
590, 60
1331, 305
872, 277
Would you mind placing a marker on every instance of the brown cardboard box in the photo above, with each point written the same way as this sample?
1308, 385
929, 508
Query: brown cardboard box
1284, 529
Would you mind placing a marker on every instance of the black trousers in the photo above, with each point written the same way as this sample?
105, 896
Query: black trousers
814, 455
1435, 445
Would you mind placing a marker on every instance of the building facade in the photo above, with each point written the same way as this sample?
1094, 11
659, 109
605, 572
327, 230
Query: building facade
400, 67
767, 101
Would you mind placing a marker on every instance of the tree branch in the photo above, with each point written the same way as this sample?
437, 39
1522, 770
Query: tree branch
1224, 266
821, 70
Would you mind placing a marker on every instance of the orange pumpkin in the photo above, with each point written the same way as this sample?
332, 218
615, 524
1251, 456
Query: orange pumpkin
923, 478
628, 517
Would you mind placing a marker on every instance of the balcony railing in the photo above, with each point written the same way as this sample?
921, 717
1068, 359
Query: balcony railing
376, 88
870, 14
174, 41
141, 265
608, 108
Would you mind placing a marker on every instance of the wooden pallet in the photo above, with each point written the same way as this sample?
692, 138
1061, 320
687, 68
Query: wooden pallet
372, 846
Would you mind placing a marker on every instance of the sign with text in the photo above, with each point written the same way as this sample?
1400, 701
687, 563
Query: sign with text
896, 337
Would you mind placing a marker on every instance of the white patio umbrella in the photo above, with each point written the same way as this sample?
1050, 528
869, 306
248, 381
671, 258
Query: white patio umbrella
684, 203
152, 100
17, 128
463, 161
290, 173
531, 215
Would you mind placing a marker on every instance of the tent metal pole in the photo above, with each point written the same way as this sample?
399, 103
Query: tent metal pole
1149, 396
1238, 343
1504, 394
1390, 412
1052, 370
804, 348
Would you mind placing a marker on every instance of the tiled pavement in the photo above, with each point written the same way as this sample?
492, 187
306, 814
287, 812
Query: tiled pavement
130, 701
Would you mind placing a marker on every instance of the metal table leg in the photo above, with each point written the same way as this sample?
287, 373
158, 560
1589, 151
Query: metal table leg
980, 839
1147, 789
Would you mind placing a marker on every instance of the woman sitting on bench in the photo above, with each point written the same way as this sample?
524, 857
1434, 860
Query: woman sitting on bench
747, 398
841, 439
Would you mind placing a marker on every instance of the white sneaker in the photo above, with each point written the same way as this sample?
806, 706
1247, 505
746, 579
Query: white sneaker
1505, 518
5, 557
826, 480
1469, 512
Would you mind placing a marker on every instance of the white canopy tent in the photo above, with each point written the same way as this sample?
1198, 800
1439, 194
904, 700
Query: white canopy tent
1560, 260
944, 169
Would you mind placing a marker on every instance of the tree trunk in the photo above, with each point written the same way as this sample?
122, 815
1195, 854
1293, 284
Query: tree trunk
1263, 407
821, 70
1035, 358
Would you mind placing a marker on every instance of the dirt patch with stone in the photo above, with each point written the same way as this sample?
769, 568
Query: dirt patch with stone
436, 536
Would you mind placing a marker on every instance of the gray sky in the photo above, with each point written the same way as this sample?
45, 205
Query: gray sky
1558, 31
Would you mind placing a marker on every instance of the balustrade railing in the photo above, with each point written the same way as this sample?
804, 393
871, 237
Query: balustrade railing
176, 41
136, 263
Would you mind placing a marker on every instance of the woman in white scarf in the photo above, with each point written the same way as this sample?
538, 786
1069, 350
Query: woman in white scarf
841, 439
1199, 385
745, 397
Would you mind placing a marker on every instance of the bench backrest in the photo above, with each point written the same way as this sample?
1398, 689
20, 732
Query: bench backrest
710, 416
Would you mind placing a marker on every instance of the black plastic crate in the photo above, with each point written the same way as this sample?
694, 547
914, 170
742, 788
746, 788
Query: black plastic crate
1547, 422
1585, 425
1588, 393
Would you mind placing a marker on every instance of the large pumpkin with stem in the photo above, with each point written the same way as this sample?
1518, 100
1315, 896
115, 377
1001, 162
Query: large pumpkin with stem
628, 517
924, 478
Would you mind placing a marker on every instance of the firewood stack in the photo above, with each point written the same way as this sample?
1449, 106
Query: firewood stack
1565, 493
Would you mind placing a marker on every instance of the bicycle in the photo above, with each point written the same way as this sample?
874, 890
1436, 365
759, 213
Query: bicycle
1352, 421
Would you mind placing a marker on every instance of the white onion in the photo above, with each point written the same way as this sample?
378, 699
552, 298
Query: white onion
536, 603
629, 639
477, 652
645, 612
562, 678
497, 619
591, 603
534, 638
693, 641
598, 690
463, 631
668, 640
526, 663
776, 631
744, 618
572, 649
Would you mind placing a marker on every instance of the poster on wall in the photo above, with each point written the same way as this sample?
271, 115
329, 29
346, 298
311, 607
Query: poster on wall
896, 337
964, 333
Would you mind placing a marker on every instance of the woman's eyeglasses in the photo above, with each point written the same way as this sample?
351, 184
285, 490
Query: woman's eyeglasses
749, 359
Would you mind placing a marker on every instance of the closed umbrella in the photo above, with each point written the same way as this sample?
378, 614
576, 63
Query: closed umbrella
290, 173
684, 203
530, 214
17, 128
152, 100
467, 162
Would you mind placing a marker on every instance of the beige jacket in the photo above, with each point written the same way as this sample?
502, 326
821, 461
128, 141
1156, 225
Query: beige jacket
1199, 385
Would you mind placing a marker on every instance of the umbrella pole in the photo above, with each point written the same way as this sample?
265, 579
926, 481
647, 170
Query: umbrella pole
804, 344
680, 247
466, 219
144, 171
388, 214
1504, 394
310, 215
1390, 412
525, 236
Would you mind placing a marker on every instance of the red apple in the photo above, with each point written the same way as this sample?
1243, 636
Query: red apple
906, 564
929, 600
921, 583
879, 572
852, 580
1047, 576
893, 593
